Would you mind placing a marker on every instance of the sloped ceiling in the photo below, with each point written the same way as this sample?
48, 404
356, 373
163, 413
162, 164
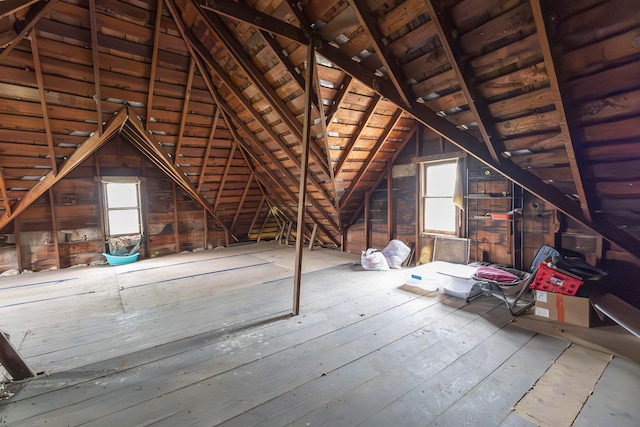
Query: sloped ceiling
220, 86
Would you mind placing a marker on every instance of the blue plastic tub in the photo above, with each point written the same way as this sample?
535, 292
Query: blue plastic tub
121, 259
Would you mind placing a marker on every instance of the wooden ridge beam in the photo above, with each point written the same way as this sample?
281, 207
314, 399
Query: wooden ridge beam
372, 154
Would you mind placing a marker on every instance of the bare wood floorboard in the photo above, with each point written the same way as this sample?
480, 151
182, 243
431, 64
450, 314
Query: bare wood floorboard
207, 339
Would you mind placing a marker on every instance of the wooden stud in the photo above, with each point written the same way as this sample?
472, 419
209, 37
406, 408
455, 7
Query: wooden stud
206, 228
185, 110
312, 239
54, 226
96, 63
339, 96
43, 101
390, 213
242, 200
257, 214
176, 231
207, 151
5, 196
226, 173
264, 223
367, 219
154, 63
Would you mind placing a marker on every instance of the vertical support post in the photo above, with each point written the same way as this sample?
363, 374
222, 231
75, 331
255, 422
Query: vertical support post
302, 193
176, 231
54, 226
390, 216
367, 220
417, 196
286, 241
205, 229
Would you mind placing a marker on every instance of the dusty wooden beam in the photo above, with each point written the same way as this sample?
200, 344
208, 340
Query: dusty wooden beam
390, 214
242, 200
257, 214
370, 26
244, 13
225, 174
5, 196
364, 122
476, 104
207, 152
185, 110
36, 12
11, 360
54, 225
372, 154
549, 63
86, 149
8, 7
337, 100
43, 102
96, 63
154, 62
302, 193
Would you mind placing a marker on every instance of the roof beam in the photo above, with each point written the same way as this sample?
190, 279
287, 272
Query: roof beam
154, 63
96, 63
257, 78
7, 7
4, 195
244, 13
242, 200
364, 122
223, 181
549, 63
372, 154
476, 104
370, 26
185, 110
43, 102
33, 16
337, 100
207, 152
88, 147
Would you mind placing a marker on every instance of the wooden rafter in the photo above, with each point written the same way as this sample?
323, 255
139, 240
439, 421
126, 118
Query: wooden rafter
258, 79
257, 214
370, 26
227, 167
8, 7
197, 49
364, 122
373, 152
134, 132
207, 151
36, 12
565, 134
476, 104
96, 63
325, 138
382, 175
245, 193
337, 100
154, 62
5, 196
86, 149
43, 102
185, 110
242, 12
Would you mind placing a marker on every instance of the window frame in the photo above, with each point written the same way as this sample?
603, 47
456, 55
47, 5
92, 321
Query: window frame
105, 181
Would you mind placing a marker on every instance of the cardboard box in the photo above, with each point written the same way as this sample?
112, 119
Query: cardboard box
564, 308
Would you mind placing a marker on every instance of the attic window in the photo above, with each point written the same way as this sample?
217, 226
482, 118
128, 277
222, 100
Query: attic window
122, 206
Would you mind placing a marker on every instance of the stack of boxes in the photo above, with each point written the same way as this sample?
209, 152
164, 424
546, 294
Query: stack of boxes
555, 292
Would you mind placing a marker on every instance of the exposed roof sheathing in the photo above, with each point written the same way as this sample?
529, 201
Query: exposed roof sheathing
544, 92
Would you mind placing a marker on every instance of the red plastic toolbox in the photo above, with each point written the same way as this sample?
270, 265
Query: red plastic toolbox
550, 280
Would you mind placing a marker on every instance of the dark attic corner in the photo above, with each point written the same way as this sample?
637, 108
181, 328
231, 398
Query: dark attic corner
178, 158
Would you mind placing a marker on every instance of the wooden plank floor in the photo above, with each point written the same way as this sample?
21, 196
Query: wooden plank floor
206, 339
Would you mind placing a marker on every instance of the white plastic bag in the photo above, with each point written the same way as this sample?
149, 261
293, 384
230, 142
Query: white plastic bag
373, 259
396, 252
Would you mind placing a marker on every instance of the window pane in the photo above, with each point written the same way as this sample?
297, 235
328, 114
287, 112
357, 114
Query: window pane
122, 195
440, 215
124, 221
441, 180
